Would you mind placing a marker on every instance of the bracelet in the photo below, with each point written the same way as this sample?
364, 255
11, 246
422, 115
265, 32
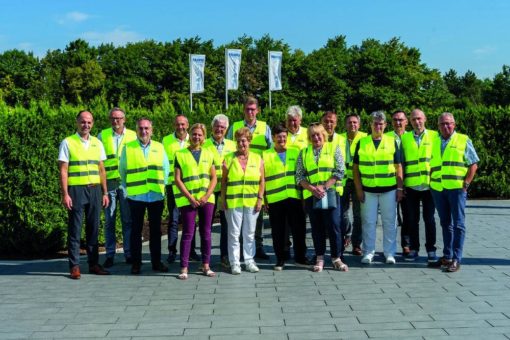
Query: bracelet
466, 184
400, 189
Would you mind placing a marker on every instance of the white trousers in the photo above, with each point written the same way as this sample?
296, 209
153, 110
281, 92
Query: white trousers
386, 203
241, 220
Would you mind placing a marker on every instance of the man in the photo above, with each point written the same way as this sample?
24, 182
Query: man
83, 185
114, 139
261, 141
144, 170
399, 124
220, 146
453, 167
417, 149
353, 230
297, 136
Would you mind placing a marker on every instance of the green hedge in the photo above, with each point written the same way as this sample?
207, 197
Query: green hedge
32, 220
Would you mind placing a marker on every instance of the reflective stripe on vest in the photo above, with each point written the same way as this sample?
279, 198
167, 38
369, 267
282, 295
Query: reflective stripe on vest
111, 165
83, 167
417, 158
352, 149
377, 167
242, 186
228, 147
448, 170
301, 140
196, 177
172, 145
320, 173
280, 178
258, 141
144, 175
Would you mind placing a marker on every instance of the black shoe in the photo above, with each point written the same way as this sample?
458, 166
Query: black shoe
159, 267
303, 263
129, 260
108, 263
136, 268
441, 263
261, 254
171, 257
287, 256
194, 257
279, 266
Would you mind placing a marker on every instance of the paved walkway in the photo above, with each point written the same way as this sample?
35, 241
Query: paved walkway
403, 301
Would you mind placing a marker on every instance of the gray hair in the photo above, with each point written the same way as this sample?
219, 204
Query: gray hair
219, 117
378, 116
295, 111
445, 114
117, 109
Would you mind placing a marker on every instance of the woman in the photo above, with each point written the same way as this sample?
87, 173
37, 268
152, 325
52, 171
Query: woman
242, 187
319, 171
377, 174
284, 198
195, 179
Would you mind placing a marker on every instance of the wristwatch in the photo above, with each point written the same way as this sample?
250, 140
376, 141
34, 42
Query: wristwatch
466, 184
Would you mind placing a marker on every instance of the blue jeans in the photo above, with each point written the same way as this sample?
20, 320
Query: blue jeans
118, 197
450, 205
173, 220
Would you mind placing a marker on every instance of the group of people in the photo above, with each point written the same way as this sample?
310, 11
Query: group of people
288, 171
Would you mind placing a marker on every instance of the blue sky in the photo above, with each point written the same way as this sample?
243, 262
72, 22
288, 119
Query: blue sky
459, 34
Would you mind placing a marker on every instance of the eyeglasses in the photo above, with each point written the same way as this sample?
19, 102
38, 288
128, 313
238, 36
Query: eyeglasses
116, 118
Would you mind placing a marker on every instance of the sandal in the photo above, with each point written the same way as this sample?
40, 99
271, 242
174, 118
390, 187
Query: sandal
339, 265
208, 272
183, 276
319, 265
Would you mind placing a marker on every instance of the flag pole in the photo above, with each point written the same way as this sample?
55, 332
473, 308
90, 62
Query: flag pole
269, 76
226, 79
190, 87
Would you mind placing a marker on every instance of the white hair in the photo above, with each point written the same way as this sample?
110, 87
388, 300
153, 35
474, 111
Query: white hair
295, 111
219, 117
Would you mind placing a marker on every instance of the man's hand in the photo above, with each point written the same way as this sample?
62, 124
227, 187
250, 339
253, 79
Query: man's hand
67, 202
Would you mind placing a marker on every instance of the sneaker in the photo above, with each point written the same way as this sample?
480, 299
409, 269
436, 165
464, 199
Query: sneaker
252, 267
225, 262
390, 259
431, 257
279, 266
236, 269
367, 259
411, 256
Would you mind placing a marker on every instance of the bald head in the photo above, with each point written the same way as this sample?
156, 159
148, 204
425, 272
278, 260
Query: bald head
418, 120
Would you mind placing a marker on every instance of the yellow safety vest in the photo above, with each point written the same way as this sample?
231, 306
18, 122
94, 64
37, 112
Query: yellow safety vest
352, 149
228, 147
111, 165
377, 167
144, 175
258, 142
83, 163
301, 140
448, 170
417, 158
320, 173
172, 145
242, 186
196, 177
280, 178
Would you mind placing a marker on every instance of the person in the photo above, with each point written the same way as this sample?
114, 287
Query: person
83, 187
377, 173
261, 140
319, 171
113, 140
195, 180
220, 146
399, 123
283, 199
297, 135
144, 169
453, 167
353, 229
417, 152
242, 190
172, 143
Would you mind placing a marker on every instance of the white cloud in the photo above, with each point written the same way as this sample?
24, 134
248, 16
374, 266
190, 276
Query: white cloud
117, 37
73, 17
485, 50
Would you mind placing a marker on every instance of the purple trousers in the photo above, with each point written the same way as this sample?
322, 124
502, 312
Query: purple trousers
205, 216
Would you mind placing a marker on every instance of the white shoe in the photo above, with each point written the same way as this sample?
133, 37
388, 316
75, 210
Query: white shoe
390, 259
236, 269
252, 267
367, 259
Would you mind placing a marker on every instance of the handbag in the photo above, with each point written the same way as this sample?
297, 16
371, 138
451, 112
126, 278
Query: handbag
327, 202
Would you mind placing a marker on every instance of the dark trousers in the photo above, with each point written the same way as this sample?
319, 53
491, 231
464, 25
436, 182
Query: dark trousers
259, 227
413, 199
326, 221
403, 222
86, 199
173, 220
288, 212
352, 230
154, 211
223, 227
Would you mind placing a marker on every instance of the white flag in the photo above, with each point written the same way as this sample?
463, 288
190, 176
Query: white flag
232, 67
275, 70
196, 72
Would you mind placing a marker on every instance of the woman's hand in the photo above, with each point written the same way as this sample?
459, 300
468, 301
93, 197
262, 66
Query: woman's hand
194, 202
319, 191
258, 206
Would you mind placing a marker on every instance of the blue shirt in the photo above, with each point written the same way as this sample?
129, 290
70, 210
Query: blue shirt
470, 155
151, 196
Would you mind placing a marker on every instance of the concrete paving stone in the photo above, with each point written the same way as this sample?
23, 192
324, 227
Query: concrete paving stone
466, 337
31, 327
15, 335
298, 329
499, 322
331, 301
223, 331
145, 332
304, 308
451, 324
296, 302
469, 315
225, 318
170, 325
482, 333
355, 326
306, 316
162, 308
367, 319
99, 326
328, 335
404, 333
241, 310
69, 334
370, 307
290, 321
229, 323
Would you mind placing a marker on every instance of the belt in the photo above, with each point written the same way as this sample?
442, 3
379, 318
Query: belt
91, 185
